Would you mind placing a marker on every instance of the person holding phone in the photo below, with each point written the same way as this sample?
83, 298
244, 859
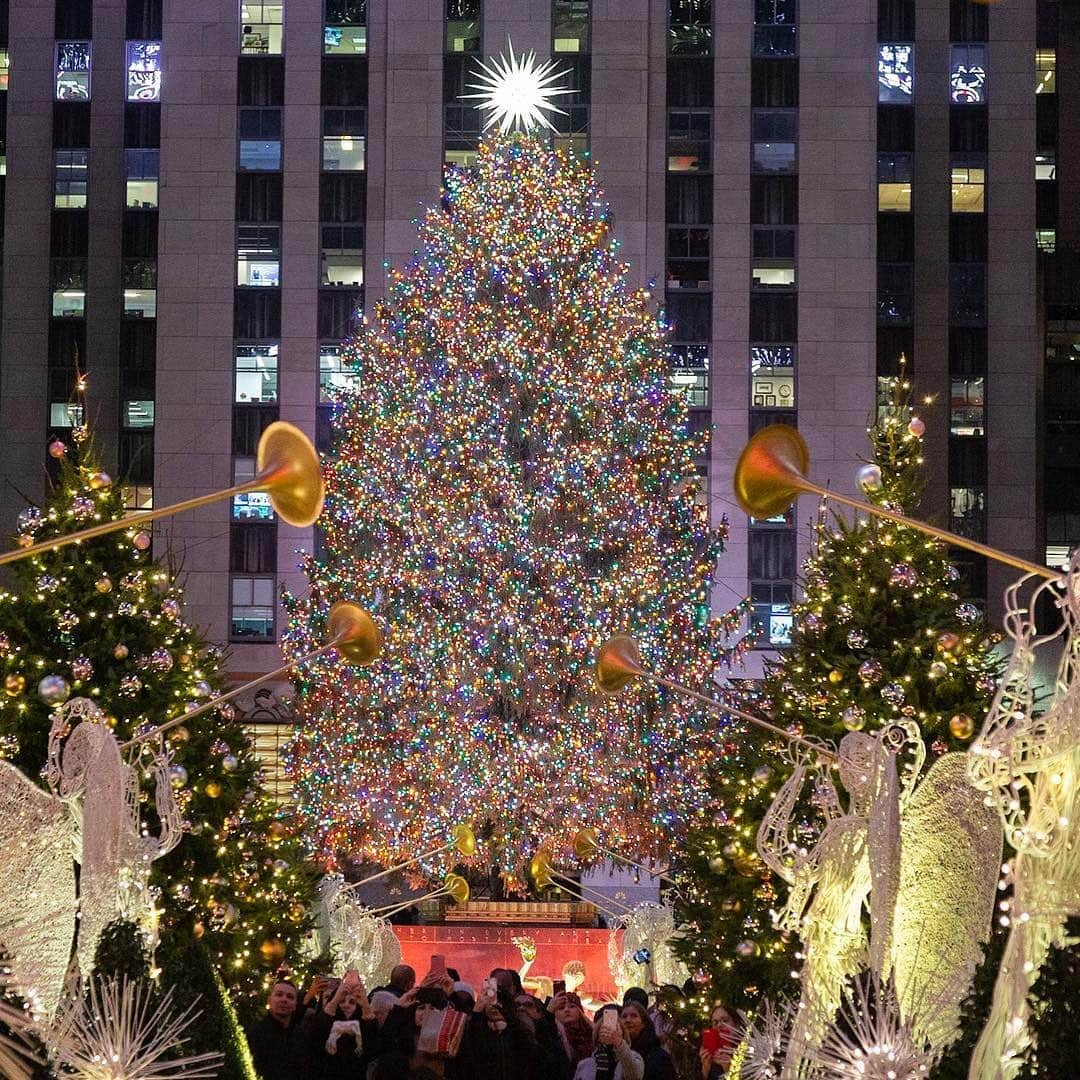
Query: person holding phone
343, 1033
643, 1038
612, 1057
718, 1042
575, 1031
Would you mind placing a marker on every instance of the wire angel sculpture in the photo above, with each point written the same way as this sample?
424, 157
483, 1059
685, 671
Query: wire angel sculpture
1027, 760
88, 816
646, 929
357, 939
916, 854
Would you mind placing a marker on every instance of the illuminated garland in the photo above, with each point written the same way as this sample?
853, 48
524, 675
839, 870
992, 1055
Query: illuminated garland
513, 484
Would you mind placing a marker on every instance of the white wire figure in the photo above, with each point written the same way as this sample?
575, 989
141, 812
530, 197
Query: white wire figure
640, 941
88, 816
358, 939
1028, 763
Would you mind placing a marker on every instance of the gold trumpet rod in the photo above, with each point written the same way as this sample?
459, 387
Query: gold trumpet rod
599, 899
615, 857
717, 706
932, 530
400, 866
392, 909
585, 889
214, 703
135, 520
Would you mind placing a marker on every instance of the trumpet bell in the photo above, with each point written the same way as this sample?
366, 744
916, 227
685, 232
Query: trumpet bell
540, 870
618, 662
355, 633
289, 469
585, 844
771, 471
464, 840
457, 888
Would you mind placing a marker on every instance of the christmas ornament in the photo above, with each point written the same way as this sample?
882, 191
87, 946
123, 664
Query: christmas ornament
748, 948
761, 774
939, 747
125, 607
948, 641
277, 829
836, 676
98, 480
730, 904
54, 690
717, 864
853, 718
968, 613
870, 671
903, 576
938, 669
141, 540
67, 620
893, 693
81, 668
198, 930
130, 685
120, 652
213, 789
227, 711
103, 584
24, 540
9, 746
14, 685
131, 581
82, 507
179, 734
178, 776
28, 519
47, 583
856, 639
961, 726
869, 478
202, 689
170, 608
222, 916
57, 449
5, 644
297, 912
230, 763
182, 890
280, 865
272, 951
161, 660
811, 623
916, 427
746, 865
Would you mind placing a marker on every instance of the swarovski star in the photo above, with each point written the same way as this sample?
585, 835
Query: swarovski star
517, 92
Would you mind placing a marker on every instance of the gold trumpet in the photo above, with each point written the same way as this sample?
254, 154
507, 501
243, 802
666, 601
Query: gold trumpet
586, 845
454, 886
461, 837
618, 662
353, 632
544, 875
287, 468
771, 474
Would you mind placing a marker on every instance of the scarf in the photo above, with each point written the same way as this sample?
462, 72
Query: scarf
577, 1040
605, 1062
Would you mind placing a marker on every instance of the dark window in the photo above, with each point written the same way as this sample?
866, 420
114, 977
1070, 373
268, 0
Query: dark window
338, 311
968, 128
71, 124
1046, 204
142, 124
892, 343
967, 238
253, 549
773, 317
138, 347
689, 200
74, 19
690, 316
896, 20
457, 77
260, 80
763, 418
140, 235
249, 422
894, 297
968, 21
774, 200
344, 121
690, 84
258, 197
772, 554
143, 20
257, 314
344, 82
895, 238
896, 129
967, 462
774, 84
70, 233
967, 294
1046, 121
967, 350
136, 455
259, 124
67, 339
343, 197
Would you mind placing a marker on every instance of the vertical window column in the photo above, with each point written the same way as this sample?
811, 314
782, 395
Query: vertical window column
571, 47
463, 47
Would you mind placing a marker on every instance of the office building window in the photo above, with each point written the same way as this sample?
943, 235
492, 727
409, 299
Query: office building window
343, 140
570, 26
65, 414
690, 27
138, 414
689, 140
969, 184
144, 71
334, 374
967, 407
775, 28
260, 27
773, 257
5, 68
256, 374
688, 258
342, 255
258, 256
771, 612
69, 179
73, 71
137, 497
260, 140
895, 293
249, 505
894, 183
252, 608
463, 26
967, 512
967, 294
967, 75
68, 287
772, 376
141, 169
345, 28
896, 73
774, 135
1046, 71
140, 303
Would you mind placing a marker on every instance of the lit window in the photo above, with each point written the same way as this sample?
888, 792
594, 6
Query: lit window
65, 414
690, 27
773, 135
570, 26
463, 26
688, 140
690, 374
772, 376
1045, 71
968, 187
253, 608
967, 75
140, 303
334, 374
1045, 167
260, 27
967, 512
69, 179
461, 159
138, 497
775, 27
343, 153
343, 255
894, 183
774, 258
141, 175
138, 414
260, 140
5, 68
1046, 240
144, 71
73, 71
896, 73
1057, 556
249, 505
68, 288
771, 612
256, 374
967, 407
268, 740
345, 32
688, 258
258, 256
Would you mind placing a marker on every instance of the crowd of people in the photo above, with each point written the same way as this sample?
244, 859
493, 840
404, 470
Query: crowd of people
444, 1027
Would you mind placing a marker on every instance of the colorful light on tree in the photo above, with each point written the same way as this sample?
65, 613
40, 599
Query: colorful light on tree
513, 483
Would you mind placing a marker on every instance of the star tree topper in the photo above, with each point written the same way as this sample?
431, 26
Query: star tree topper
517, 91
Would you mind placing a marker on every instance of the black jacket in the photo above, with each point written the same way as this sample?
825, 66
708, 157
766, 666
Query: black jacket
278, 1052
346, 1063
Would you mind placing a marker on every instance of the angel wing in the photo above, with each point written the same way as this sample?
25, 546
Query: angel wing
37, 888
950, 854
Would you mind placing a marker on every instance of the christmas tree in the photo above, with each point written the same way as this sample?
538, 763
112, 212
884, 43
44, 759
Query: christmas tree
881, 635
513, 483
102, 620
1055, 1011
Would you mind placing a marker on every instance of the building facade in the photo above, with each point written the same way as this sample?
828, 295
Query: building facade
200, 198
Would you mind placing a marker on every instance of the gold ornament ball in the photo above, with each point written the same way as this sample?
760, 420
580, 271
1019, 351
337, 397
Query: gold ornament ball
120, 652
717, 864
272, 951
103, 584
57, 449
198, 930
24, 540
179, 734
836, 676
277, 830
948, 641
213, 789
961, 726
141, 540
745, 865
14, 685
296, 913
99, 480
730, 903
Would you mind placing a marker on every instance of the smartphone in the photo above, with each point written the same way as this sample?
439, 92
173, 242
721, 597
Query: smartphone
710, 1040
438, 964
491, 988
642, 956
558, 986
610, 1020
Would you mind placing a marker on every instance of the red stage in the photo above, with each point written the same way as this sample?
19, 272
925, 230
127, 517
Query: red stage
475, 949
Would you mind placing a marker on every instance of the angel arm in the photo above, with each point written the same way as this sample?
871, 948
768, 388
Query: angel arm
172, 823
